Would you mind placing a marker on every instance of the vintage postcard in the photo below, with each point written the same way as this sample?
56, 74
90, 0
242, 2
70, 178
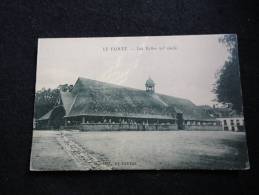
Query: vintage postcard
138, 103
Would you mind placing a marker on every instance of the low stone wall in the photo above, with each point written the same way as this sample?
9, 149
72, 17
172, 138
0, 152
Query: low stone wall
127, 127
203, 127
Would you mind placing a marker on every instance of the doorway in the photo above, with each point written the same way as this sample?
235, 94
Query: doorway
179, 119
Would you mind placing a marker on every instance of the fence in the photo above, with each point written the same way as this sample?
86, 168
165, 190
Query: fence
121, 127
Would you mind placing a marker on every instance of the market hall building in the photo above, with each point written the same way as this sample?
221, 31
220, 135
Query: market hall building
93, 105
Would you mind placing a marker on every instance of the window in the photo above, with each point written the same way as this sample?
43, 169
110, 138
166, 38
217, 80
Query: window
225, 122
238, 123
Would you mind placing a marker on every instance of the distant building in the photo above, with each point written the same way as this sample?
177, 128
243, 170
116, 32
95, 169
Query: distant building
230, 120
232, 123
95, 105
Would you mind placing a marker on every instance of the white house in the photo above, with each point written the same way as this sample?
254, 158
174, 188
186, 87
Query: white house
233, 123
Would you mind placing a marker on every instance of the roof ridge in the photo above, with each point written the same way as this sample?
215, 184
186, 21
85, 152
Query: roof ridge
108, 83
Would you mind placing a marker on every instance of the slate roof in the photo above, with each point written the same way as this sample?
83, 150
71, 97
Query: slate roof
91, 97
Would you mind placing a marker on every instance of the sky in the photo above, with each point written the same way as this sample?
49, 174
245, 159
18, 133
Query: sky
181, 66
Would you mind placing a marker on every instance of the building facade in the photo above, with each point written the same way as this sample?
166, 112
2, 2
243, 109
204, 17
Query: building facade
232, 123
94, 105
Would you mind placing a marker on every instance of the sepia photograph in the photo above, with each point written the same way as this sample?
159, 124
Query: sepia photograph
138, 103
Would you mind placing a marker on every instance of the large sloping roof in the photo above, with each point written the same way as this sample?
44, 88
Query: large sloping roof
91, 97
67, 100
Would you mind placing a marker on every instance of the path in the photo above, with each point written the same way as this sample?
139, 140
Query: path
83, 159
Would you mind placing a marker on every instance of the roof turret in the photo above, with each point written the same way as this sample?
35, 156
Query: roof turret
150, 83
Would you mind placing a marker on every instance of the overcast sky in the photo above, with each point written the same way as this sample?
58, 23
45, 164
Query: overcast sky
181, 66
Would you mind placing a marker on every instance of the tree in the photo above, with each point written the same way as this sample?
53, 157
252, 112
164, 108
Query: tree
45, 100
227, 86
65, 87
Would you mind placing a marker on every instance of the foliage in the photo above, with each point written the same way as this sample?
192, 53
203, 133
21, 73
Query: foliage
65, 87
45, 100
227, 87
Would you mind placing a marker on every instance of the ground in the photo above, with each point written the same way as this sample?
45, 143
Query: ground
75, 150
